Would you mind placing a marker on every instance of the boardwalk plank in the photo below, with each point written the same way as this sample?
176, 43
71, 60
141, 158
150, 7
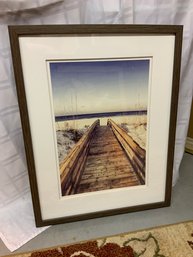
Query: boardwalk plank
107, 165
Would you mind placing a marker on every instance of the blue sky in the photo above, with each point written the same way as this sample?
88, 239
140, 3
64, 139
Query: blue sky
81, 87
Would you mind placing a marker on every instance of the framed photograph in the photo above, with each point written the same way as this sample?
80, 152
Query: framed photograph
98, 106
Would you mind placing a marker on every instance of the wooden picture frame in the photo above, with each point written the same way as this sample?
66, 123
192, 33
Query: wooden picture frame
67, 75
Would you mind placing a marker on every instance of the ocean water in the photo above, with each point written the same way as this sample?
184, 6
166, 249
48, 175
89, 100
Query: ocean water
86, 122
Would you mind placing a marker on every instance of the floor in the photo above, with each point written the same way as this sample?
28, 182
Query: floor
181, 209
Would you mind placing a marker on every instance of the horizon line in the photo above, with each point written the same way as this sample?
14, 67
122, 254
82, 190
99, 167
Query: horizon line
96, 114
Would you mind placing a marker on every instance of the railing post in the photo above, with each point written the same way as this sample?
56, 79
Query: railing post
132, 149
73, 165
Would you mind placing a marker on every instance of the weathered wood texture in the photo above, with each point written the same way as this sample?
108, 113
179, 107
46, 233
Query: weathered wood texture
73, 165
107, 165
135, 153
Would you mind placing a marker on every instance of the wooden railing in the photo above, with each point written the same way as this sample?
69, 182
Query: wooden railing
134, 152
72, 166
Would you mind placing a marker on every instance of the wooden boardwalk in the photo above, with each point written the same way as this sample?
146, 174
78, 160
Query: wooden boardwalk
107, 165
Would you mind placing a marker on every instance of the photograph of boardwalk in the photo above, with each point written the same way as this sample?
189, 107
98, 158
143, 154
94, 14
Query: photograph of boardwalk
100, 109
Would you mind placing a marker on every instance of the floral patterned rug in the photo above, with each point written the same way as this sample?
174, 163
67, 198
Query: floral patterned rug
166, 241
